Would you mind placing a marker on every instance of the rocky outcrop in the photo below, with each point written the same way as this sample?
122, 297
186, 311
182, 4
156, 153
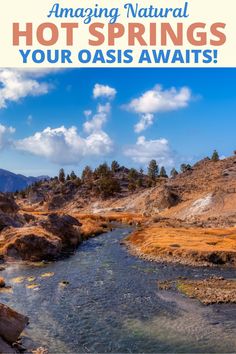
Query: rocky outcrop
45, 239
56, 202
7, 204
166, 198
9, 212
66, 228
11, 325
31, 243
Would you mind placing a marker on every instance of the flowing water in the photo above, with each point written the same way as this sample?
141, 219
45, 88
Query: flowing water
111, 303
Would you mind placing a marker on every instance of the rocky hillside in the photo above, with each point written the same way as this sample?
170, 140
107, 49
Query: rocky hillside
205, 192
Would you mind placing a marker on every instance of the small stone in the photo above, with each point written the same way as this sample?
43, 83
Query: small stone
2, 283
64, 283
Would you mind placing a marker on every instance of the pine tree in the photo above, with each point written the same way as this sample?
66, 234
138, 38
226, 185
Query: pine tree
102, 170
131, 186
141, 171
133, 174
185, 167
115, 166
87, 174
107, 186
153, 170
61, 175
215, 156
163, 172
73, 176
140, 182
77, 182
173, 173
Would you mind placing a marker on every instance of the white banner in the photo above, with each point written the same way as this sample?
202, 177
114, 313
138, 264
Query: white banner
101, 33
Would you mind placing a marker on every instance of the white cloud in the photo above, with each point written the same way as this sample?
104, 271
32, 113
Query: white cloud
158, 100
98, 120
104, 91
98, 144
145, 121
5, 136
64, 145
145, 150
17, 84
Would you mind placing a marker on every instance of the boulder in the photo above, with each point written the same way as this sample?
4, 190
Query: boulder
6, 348
45, 239
56, 202
7, 204
10, 220
167, 198
66, 228
31, 243
11, 324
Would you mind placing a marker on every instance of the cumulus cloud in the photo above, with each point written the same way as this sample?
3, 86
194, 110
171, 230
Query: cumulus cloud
104, 91
156, 101
145, 121
5, 136
64, 145
98, 120
17, 84
145, 150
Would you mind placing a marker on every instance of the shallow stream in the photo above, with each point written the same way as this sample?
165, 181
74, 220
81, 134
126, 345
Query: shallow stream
111, 303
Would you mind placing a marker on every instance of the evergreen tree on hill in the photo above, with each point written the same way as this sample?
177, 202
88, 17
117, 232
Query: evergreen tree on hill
173, 173
61, 175
115, 166
163, 172
153, 170
215, 156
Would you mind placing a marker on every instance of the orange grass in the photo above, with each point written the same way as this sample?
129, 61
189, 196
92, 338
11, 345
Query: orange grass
179, 244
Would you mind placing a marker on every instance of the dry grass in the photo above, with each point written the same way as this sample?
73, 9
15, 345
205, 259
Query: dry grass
91, 227
188, 246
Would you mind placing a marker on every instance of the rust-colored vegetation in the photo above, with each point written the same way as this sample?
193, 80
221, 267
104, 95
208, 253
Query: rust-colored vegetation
193, 246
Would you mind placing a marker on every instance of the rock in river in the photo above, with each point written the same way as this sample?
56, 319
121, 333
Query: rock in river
11, 325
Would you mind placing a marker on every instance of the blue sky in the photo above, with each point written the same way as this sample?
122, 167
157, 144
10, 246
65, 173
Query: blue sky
132, 115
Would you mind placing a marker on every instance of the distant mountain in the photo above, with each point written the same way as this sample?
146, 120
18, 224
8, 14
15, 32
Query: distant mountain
11, 182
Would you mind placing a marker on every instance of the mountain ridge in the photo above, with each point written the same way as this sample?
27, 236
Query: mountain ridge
11, 182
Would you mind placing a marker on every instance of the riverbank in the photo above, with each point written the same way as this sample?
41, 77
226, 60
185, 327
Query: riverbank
184, 245
101, 299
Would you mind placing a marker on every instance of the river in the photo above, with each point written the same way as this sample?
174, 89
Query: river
111, 303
